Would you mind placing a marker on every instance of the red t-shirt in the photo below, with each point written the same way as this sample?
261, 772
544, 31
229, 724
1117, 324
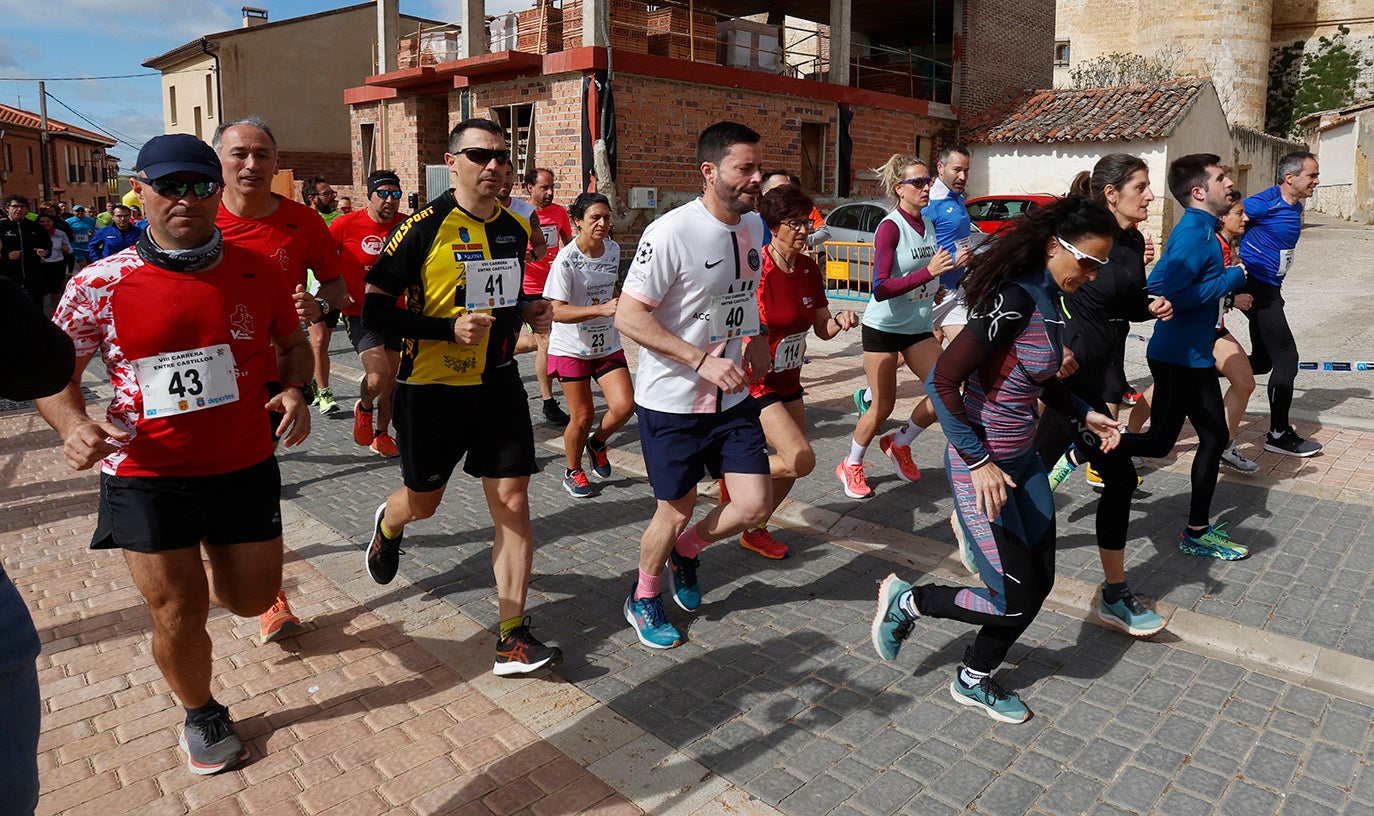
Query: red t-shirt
553, 221
360, 239
129, 311
294, 236
787, 306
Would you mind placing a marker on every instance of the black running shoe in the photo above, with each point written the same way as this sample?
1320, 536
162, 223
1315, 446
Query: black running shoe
211, 744
554, 414
1289, 443
521, 652
383, 554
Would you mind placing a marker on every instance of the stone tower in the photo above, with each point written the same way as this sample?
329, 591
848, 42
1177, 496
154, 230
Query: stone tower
1226, 39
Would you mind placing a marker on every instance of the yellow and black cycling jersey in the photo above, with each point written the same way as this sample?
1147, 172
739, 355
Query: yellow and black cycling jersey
428, 258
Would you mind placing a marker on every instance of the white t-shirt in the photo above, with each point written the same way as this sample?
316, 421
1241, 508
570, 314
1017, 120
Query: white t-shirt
685, 260
578, 280
521, 207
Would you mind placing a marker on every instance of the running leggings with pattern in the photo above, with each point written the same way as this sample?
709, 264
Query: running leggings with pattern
1015, 556
1052, 439
1275, 351
1193, 394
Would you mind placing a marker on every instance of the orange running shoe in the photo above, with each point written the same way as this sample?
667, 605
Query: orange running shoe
385, 445
362, 424
762, 542
854, 480
278, 622
901, 457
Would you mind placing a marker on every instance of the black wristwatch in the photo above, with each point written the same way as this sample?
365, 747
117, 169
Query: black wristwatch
324, 309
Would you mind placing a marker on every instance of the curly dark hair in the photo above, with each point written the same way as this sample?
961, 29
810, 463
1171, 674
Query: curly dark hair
1022, 250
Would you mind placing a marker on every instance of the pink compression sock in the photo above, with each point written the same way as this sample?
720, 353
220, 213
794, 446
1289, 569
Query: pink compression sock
648, 586
690, 543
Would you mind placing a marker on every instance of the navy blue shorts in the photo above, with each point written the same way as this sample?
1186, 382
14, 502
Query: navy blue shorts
680, 448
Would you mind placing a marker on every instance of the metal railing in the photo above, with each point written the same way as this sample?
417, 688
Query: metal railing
848, 269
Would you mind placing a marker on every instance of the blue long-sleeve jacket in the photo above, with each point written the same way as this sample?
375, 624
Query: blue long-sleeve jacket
947, 212
108, 240
1192, 275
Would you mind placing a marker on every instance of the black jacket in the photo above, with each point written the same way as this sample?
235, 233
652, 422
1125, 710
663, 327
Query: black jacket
1099, 314
26, 237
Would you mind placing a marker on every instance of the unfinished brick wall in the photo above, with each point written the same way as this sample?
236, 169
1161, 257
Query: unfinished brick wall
1005, 45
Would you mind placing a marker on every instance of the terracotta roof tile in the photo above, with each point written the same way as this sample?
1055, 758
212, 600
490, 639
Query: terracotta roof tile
31, 121
1088, 114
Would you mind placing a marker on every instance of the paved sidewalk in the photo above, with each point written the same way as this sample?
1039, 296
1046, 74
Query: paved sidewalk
1256, 700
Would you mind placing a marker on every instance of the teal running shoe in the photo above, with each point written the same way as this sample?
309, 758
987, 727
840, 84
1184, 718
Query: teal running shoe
1129, 615
891, 623
650, 621
682, 581
965, 549
1214, 543
860, 404
991, 699
1062, 470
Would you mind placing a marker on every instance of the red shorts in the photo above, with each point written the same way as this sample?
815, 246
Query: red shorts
569, 369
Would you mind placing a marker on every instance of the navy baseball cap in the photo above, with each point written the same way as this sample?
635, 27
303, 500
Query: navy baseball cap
178, 153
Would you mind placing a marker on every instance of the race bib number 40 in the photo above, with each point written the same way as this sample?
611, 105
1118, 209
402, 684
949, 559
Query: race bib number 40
491, 284
734, 314
179, 382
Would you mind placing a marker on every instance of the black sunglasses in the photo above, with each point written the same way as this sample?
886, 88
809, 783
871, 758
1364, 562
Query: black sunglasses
483, 156
396, 194
171, 188
918, 182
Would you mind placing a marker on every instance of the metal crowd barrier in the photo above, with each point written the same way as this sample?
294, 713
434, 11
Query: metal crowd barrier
848, 269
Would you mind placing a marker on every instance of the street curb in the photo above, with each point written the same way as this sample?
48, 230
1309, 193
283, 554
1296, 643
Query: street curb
1315, 667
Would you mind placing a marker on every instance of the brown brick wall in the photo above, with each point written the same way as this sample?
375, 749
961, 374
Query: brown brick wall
416, 135
1006, 44
19, 180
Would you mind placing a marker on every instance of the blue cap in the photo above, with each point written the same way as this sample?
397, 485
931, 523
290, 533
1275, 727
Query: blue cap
178, 153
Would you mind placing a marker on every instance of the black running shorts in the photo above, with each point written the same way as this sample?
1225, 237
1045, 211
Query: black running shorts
157, 513
487, 426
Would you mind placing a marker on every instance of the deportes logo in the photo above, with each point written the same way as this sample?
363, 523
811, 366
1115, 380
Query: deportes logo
372, 245
754, 260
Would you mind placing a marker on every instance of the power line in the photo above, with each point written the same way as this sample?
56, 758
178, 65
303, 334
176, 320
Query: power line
108, 76
113, 134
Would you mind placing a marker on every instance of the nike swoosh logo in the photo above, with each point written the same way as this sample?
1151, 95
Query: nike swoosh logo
710, 264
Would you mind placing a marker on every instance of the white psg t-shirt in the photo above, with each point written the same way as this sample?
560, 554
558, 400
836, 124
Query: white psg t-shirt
578, 280
686, 261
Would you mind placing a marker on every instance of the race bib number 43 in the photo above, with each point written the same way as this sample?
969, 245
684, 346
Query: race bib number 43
179, 382
491, 284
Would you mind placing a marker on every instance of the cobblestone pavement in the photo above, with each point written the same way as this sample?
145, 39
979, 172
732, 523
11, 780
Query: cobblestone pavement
1257, 699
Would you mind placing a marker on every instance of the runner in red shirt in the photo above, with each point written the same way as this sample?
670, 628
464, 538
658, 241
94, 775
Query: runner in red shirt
792, 302
553, 222
195, 334
361, 235
253, 217
289, 232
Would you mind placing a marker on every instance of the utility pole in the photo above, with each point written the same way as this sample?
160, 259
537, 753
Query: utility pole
44, 145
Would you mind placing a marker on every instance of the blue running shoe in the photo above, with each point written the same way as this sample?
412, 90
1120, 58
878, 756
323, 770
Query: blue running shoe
1214, 543
860, 404
1130, 616
650, 621
991, 699
891, 623
965, 547
682, 581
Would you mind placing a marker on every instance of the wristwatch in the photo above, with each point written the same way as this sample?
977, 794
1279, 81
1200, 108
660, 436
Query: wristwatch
324, 308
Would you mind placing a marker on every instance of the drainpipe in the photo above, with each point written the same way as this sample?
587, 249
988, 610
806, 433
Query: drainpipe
212, 48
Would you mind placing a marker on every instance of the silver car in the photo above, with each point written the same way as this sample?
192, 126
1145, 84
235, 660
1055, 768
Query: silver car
856, 222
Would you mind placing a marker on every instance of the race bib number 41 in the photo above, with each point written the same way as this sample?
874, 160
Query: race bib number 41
179, 382
491, 284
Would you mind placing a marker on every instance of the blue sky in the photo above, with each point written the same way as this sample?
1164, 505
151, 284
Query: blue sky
93, 38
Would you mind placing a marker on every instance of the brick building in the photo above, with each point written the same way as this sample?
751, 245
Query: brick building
828, 105
83, 172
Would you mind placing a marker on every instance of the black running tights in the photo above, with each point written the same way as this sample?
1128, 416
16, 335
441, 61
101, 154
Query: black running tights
1193, 394
1275, 352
